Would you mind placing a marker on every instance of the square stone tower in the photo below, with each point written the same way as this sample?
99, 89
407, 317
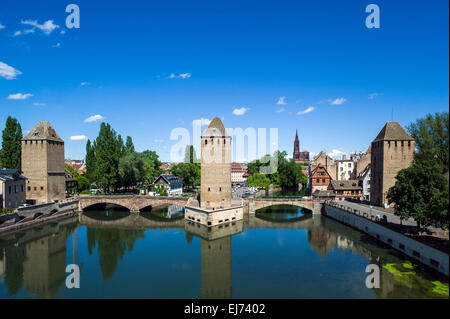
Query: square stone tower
43, 164
215, 166
391, 151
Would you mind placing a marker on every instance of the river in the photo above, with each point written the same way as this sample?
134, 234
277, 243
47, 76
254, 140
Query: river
281, 252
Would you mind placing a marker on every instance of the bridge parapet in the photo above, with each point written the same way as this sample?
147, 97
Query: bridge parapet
133, 203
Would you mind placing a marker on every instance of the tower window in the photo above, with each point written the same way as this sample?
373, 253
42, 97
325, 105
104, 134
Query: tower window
206, 142
209, 189
224, 141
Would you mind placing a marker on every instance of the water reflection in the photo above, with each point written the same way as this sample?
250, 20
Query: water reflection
216, 257
297, 253
36, 260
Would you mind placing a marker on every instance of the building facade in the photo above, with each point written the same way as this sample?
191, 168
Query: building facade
364, 182
299, 157
327, 162
12, 188
43, 164
344, 190
345, 169
171, 183
320, 179
391, 151
237, 174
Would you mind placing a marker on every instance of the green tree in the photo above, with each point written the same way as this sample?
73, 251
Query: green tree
421, 191
108, 153
259, 180
189, 173
152, 166
129, 146
431, 136
90, 161
11, 144
131, 169
189, 155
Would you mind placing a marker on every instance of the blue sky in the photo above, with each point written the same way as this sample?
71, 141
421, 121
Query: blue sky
223, 55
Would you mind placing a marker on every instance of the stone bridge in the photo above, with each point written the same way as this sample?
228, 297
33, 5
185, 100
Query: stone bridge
134, 203
145, 221
257, 203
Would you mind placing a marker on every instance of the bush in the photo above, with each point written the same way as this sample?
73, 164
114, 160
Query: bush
85, 192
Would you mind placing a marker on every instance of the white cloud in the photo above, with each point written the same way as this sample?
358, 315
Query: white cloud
282, 101
240, 111
8, 72
17, 33
2, 26
57, 45
39, 104
374, 95
180, 76
336, 153
308, 110
201, 121
78, 138
94, 118
47, 27
337, 101
63, 32
84, 83
19, 96
158, 140
281, 110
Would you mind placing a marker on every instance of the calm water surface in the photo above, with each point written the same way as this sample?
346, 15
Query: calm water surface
282, 252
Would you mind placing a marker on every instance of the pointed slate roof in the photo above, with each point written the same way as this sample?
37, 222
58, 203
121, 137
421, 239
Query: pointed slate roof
43, 131
215, 128
393, 131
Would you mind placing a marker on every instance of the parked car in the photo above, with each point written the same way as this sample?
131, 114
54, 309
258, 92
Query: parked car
24, 205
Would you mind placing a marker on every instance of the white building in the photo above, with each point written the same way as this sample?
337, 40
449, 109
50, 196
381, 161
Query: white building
345, 169
171, 183
364, 179
238, 175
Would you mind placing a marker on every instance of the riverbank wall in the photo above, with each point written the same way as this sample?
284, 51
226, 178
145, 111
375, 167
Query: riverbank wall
28, 217
418, 251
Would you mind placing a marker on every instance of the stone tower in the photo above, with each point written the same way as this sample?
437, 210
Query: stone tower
391, 151
43, 164
215, 167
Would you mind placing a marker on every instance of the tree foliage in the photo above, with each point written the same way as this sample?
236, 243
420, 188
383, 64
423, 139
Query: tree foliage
112, 165
11, 144
431, 136
421, 191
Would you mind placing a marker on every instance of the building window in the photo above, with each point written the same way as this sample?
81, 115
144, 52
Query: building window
42, 188
220, 189
206, 142
9, 189
318, 180
389, 143
224, 141
35, 188
29, 188
209, 189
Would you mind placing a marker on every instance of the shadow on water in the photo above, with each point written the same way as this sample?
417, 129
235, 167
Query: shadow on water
106, 212
283, 213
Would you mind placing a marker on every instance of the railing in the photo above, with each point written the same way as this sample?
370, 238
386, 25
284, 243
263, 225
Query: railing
285, 197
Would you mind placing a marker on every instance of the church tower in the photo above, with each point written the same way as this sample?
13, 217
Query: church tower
43, 164
296, 154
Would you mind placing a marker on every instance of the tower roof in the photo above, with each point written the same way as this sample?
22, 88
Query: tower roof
43, 131
393, 131
215, 128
